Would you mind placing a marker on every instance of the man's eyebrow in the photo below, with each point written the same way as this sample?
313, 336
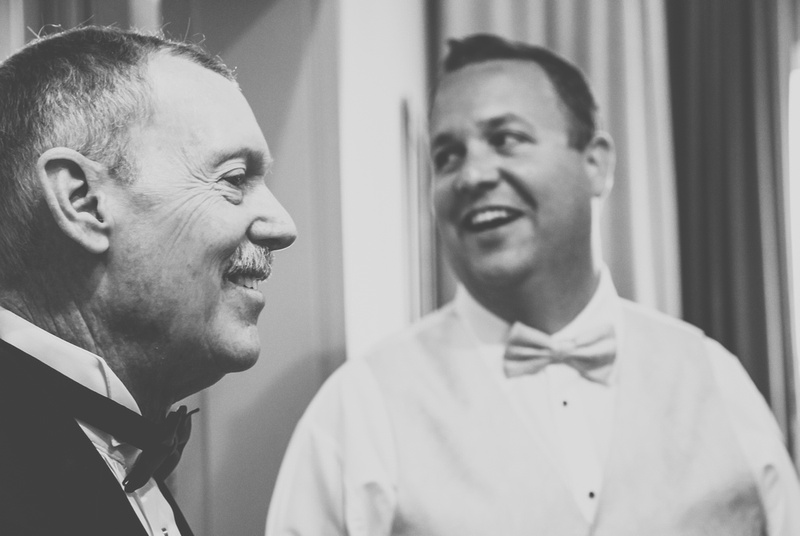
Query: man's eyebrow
494, 122
491, 123
444, 138
257, 161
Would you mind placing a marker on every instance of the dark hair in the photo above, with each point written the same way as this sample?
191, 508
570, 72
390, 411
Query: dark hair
568, 80
83, 89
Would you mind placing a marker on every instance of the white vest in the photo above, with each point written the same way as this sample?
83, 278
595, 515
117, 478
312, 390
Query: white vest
468, 467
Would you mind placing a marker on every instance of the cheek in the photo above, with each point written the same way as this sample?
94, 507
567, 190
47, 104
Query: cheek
443, 199
563, 188
567, 221
204, 239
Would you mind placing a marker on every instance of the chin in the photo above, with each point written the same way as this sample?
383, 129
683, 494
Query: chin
237, 351
240, 358
498, 275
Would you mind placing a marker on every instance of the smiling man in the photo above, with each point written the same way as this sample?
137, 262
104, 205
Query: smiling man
538, 402
136, 225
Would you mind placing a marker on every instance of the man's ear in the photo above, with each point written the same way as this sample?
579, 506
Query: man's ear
70, 182
600, 159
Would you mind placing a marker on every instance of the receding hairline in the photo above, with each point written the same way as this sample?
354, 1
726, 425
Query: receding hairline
147, 75
170, 53
167, 62
496, 65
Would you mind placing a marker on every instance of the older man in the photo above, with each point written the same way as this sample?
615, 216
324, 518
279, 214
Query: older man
538, 402
136, 225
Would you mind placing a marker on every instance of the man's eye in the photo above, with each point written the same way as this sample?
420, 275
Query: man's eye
505, 139
445, 159
236, 179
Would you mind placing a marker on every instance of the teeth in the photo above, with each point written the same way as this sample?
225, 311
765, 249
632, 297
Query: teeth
244, 281
489, 215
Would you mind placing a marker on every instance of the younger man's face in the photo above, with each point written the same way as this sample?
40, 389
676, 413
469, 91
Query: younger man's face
512, 198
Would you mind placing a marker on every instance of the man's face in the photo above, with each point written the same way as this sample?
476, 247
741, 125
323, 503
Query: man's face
198, 198
512, 199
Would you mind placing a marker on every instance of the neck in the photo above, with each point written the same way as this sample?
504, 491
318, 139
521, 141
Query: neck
75, 323
545, 302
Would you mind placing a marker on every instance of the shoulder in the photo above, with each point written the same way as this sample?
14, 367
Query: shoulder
350, 395
746, 405
430, 329
355, 377
743, 401
759, 436
635, 313
356, 386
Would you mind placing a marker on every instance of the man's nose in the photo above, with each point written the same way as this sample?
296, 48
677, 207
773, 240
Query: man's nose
273, 226
481, 169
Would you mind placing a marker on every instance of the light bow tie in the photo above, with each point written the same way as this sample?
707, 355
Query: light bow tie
528, 351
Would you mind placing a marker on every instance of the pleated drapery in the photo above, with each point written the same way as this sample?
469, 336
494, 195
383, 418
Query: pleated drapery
730, 61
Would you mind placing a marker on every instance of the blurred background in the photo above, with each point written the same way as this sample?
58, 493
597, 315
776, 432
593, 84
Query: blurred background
700, 97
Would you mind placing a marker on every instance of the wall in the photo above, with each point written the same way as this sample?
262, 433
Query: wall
382, 70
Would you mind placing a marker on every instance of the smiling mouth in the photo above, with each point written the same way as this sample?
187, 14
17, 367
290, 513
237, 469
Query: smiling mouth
487, 218
248, 276
249, 266
249, 281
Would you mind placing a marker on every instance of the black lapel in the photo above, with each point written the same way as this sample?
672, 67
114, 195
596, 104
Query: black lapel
183, 525
51, 473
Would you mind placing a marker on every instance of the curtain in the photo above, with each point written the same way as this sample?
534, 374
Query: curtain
621, 46
729, 72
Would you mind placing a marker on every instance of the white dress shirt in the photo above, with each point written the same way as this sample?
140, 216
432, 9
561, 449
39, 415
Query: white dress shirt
345, 438
92, 372
573, 414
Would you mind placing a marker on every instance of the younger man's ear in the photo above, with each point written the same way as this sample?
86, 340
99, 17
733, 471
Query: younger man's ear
600, 160
70, 182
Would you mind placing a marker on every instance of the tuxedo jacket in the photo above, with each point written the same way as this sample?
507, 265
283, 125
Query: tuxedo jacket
52, 479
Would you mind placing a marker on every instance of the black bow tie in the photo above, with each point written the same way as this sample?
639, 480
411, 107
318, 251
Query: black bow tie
161, 443
160, 459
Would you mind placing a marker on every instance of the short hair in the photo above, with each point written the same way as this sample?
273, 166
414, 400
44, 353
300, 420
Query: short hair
568, 80
83, 89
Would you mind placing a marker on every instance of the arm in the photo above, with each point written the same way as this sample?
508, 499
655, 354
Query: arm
761, 441
337, 477
309, 497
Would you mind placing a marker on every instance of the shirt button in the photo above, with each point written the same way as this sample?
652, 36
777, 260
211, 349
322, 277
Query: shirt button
564, 403
591, 495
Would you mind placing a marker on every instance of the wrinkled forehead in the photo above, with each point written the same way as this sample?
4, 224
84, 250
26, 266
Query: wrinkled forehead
184, 89
200, 109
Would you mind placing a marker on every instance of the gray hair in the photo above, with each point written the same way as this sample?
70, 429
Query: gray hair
82, 89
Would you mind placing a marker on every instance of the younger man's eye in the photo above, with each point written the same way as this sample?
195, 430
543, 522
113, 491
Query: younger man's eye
507, 139
445, 159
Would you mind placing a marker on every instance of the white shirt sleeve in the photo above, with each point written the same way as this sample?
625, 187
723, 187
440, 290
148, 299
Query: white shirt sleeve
761, 441
338, 476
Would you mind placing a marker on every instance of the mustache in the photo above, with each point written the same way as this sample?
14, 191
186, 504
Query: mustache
251, 260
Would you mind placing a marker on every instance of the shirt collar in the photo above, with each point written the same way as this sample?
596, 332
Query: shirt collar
491, 329
80, 365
